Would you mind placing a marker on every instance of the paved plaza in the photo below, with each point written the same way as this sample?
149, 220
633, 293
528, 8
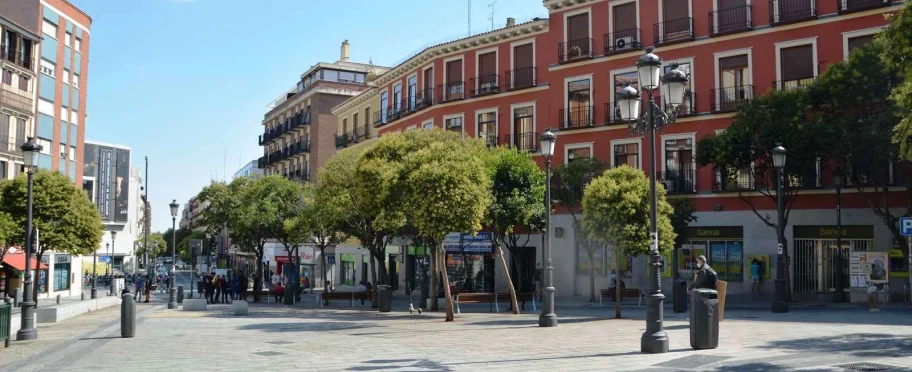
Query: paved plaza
304, 338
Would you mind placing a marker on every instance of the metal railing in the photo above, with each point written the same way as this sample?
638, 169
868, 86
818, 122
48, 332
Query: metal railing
574, 50
424, 98
487, 84
490, 139
17, 57
733, 180
451, 91
731, 20
613, 114
381, 117
849, 6
622, 41
729, 99
576, 117
521, 78
522, 141
688, 106
342, 140
674, 30
678, 181
788, 11
802, 83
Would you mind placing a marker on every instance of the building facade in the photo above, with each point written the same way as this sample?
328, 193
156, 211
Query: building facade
19, 44
249, 170
509, 85
300, 131
62, 85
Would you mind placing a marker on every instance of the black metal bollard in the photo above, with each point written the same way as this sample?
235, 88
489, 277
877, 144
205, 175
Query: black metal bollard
82, 296
180, 294
127, 316
58, 299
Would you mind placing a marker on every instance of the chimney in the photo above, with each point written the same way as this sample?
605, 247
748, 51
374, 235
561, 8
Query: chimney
344, 53
511, 22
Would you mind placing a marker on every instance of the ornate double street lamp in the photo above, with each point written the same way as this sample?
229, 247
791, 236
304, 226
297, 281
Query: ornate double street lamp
839, 295
172, 293
27, 331
649, 67
548, 318
779, 304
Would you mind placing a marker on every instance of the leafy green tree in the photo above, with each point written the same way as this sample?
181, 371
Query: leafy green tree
859, 120
517, 200
183, 245
896, 55
66, 220
569, 183
293, 198
447, 189
323, 222
780, 117
7, 232
157, 246
616, 208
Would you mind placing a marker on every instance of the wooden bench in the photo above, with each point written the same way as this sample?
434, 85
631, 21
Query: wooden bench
350, 296
493, 299
627, 292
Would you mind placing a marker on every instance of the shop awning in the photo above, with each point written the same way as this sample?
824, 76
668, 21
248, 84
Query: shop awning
17, 261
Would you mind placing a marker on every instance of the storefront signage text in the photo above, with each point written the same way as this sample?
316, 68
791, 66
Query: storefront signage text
709, 232
831, 232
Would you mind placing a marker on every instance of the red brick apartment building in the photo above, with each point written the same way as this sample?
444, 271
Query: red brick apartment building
508, 85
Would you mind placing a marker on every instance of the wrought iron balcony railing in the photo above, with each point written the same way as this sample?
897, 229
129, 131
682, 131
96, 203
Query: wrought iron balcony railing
574, 50
731, 20
672, 31
576, 117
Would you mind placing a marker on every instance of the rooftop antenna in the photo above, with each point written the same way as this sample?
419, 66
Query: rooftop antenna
491, 16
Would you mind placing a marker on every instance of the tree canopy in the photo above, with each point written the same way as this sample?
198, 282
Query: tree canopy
157, 245
896, 54
7, 232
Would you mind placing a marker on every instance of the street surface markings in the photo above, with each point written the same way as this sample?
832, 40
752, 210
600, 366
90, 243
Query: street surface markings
269, 353
692, 361
867, 366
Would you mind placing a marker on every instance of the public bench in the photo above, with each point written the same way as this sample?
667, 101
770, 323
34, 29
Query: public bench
625, 292
493, 299
325, 297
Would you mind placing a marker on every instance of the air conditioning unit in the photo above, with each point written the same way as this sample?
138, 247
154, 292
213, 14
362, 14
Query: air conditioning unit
63, 155
622, 43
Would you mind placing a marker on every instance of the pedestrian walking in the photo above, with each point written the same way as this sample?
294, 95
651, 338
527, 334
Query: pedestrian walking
223, 282
140, 284
235, 281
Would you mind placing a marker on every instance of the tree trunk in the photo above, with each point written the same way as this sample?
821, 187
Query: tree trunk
435, 306
322, 267
258, 277
785, 274
503, 262
450, 315
375, 291
617, 283
591, 272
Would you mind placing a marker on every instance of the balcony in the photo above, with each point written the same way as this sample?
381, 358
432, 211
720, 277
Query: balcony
851, 6
674, 31
687, 108
261, 162
613, 114
343, 140
574, 50
730, 21
802, 83
729, 99
424, 99
484, 85
490, 139
17, 57
677, 181
381, 118
299, 175
11, 99
523, 141
451, 91
726, 180
622, 41
575, 117
790, 11
394, 112
298, 120
521, 78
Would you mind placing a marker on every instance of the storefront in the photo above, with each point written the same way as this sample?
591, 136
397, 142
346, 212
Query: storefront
470, 262
347, 269
816, 254
62, 270
722, 246
13, 269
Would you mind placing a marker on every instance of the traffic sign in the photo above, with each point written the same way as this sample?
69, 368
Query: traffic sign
905, 226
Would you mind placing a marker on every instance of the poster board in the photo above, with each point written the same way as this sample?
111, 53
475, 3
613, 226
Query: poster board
868, 268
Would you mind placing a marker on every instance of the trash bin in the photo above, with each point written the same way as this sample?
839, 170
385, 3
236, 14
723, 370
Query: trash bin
704, 319
385, 298
680, 296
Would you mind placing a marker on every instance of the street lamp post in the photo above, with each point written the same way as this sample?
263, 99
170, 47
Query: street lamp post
649, 67
548, 318
113, 237
27, 331
839, 295
779, 304
172, 293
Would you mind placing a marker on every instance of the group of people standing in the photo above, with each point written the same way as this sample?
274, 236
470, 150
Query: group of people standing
224, 288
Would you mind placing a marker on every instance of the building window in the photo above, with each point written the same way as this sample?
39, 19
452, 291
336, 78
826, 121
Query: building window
523, 131
687, 105
579, 104
679, 165
67, 37
453, 124
397, 98
620, 81
487, 73
734, 78
348, 269
859, 41
523, 74
384, 108
454, 83
578, 43
428, 125
627, 154
412, 92
579, 153
49, 28
23, 83
78, 44
7, 77
797, 69
487, 128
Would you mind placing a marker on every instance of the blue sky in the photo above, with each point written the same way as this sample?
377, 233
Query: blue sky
186, 82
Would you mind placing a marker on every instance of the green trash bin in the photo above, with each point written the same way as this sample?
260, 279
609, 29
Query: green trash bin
704, 319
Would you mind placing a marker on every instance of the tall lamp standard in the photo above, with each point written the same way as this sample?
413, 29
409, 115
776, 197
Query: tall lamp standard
649, 67
27, 331
548, 318
113, 237
839, 295
172, 293
779, 304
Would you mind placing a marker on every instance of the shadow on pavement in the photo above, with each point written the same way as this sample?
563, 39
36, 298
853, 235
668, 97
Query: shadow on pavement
395, 364
870, 345
304, 327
